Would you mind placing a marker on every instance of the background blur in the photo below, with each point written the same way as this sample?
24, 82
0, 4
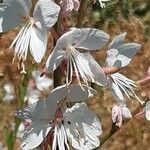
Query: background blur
131, 16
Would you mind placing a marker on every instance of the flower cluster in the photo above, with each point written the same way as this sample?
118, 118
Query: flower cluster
63, 119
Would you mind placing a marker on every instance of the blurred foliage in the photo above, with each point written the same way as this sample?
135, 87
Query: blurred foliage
117, 9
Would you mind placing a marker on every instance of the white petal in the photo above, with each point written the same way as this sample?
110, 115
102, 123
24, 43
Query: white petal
11, 12
126, 112
96, 69
9, 88
42, 83
46, 13
83, 128
126, 53
147, 113
89, 143
84, 38
117, 115
115, 90
21, 130
54, 60
42, 110
32, 96
73, 92
8, 98
91, 39
112, 51
38, 43
61, 137
34, 135
117, 41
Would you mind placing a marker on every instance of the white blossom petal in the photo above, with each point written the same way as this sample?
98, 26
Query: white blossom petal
45, 109
42, 83
82, 127
54, 60
126, 53
115, 90
9, 93
96, 69
34, 135
84, 38
32, 96
42, 110
74, 92
21, 130
38, 43
117, 41
8, 98
91, 39
123, 85
11, 12
46, 13
126, 113
119, 54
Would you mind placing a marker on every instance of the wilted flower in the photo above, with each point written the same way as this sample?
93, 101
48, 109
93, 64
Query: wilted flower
42, 113
74, 47
119, 55
120, 112
34, 33
9, 94
68, 5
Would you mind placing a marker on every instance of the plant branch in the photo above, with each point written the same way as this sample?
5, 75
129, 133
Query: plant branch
114, 129
81, 13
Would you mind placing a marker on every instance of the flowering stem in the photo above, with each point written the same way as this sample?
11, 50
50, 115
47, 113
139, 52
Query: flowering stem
57, 72
81, 13
114, 128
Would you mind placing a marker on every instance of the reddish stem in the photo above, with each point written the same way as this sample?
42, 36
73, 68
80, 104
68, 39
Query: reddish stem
110, 70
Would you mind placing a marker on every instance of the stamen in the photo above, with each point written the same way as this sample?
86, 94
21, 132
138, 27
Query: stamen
23, 68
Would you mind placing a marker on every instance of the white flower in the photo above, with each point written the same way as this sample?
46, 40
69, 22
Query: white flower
42, 82
120, 112
82, 127
74, 47
21, 130
34, 33
32, 96
119, 55
41, 113
9, 93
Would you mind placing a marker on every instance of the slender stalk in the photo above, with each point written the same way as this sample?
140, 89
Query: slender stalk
81, 13
114, 129
57, 72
